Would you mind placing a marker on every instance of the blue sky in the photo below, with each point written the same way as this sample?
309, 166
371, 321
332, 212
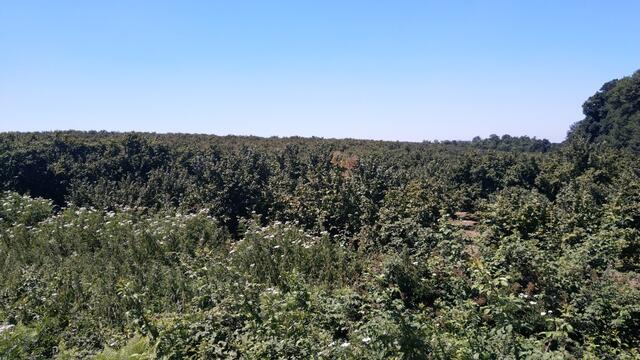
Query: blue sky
396, 70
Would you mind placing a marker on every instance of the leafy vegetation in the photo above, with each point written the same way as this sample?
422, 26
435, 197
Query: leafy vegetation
612, 115
118, 246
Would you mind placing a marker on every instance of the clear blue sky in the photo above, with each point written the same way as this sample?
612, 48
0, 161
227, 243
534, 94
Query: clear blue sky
398, 70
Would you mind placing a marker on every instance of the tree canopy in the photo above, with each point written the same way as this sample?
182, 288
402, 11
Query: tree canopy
612, 115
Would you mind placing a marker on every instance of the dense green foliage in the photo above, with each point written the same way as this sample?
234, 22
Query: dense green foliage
612, 115
120, 246
332, 185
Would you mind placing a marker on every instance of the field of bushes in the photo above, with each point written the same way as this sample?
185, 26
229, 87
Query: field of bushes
119, 246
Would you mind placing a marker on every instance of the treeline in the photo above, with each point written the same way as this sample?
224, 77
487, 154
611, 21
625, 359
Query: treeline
333, 185
612, 115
